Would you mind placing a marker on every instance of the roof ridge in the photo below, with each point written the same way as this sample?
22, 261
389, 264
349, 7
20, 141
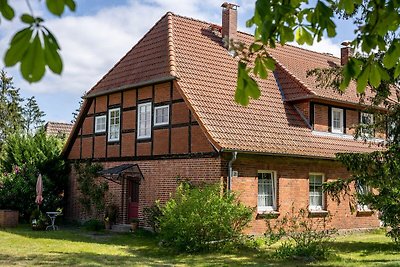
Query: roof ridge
249, 34
126, 54
171, 47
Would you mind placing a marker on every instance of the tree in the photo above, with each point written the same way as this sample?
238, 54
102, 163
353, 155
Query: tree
282, 21
10, 107
35, 46
22, 158
33, 116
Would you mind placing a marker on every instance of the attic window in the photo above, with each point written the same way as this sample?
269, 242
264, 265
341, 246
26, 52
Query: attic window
113, 124
161, 115
100, 124
144, 121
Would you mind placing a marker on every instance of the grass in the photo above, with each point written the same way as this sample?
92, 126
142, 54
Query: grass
74, 247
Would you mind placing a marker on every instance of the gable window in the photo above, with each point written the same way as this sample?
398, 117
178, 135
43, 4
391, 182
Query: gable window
161, 115
315, 192
114, 124
266, 191
367, 119
144, 121
362, 189
100, 124
337, 120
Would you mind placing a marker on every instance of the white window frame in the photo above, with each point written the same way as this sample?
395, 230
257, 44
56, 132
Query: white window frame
96, 124
155, 115
110, 125
148, 104
323, 204
341, 128
274, 206
361, 189
371, 117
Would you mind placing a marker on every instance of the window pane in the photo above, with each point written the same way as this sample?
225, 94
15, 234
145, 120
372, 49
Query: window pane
315, 191
144, 120
266, 191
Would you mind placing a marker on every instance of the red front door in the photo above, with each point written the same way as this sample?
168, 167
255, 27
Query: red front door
133, 199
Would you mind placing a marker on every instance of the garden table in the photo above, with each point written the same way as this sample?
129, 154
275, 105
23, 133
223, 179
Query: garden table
52, 215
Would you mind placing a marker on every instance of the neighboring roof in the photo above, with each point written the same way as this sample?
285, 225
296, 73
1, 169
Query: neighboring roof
58, 128
206, 74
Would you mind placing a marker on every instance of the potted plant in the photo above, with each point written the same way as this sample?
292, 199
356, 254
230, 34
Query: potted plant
38, 220
134, 224
110, 216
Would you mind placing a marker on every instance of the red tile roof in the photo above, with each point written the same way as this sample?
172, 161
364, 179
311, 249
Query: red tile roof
58, 128
206, 75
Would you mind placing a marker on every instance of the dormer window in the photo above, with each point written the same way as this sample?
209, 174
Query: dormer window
337, 120
366, 120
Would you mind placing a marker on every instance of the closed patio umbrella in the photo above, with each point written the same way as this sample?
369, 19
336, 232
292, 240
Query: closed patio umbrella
39, 190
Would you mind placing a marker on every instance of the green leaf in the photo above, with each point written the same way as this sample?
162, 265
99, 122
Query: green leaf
246, 86
28, 19
6, 10
397, 71
392, 55
374, 75
18, 46
55, 6
33, 63
71, 4
347, 5
255, 47
269, 63
51, 55
362, 79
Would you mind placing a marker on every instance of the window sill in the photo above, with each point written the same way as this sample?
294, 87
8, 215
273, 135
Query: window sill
318, 213
364, 213
273, 214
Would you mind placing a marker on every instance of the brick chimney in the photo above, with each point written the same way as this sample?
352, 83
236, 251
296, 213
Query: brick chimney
345, 52
229, 21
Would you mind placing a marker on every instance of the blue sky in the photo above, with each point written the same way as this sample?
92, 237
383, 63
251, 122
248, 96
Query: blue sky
100, 32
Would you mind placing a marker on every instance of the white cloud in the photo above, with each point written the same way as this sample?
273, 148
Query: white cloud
324, 46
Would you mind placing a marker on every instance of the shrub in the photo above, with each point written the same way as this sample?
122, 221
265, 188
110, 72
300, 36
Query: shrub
304, 237
22, 158
111, 213
93, 225
153, 216
93, 189
203, 218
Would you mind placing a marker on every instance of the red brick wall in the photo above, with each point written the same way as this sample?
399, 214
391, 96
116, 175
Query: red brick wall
304, 108
293, 188
160, 180
351, 121
320, 118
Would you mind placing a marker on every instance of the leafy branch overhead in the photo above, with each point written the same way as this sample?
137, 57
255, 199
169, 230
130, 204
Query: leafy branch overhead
35, 46
283, 21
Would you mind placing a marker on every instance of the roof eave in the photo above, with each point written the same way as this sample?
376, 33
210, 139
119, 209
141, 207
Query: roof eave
327, 99
275, 154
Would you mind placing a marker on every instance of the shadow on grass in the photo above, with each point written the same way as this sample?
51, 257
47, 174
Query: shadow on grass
366, 248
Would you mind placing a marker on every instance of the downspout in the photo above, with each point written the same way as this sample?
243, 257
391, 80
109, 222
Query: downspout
234, 155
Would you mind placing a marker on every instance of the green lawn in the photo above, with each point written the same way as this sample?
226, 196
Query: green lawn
74, 247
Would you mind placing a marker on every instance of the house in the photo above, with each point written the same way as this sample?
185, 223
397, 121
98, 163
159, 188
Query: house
61, 129
167, 109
